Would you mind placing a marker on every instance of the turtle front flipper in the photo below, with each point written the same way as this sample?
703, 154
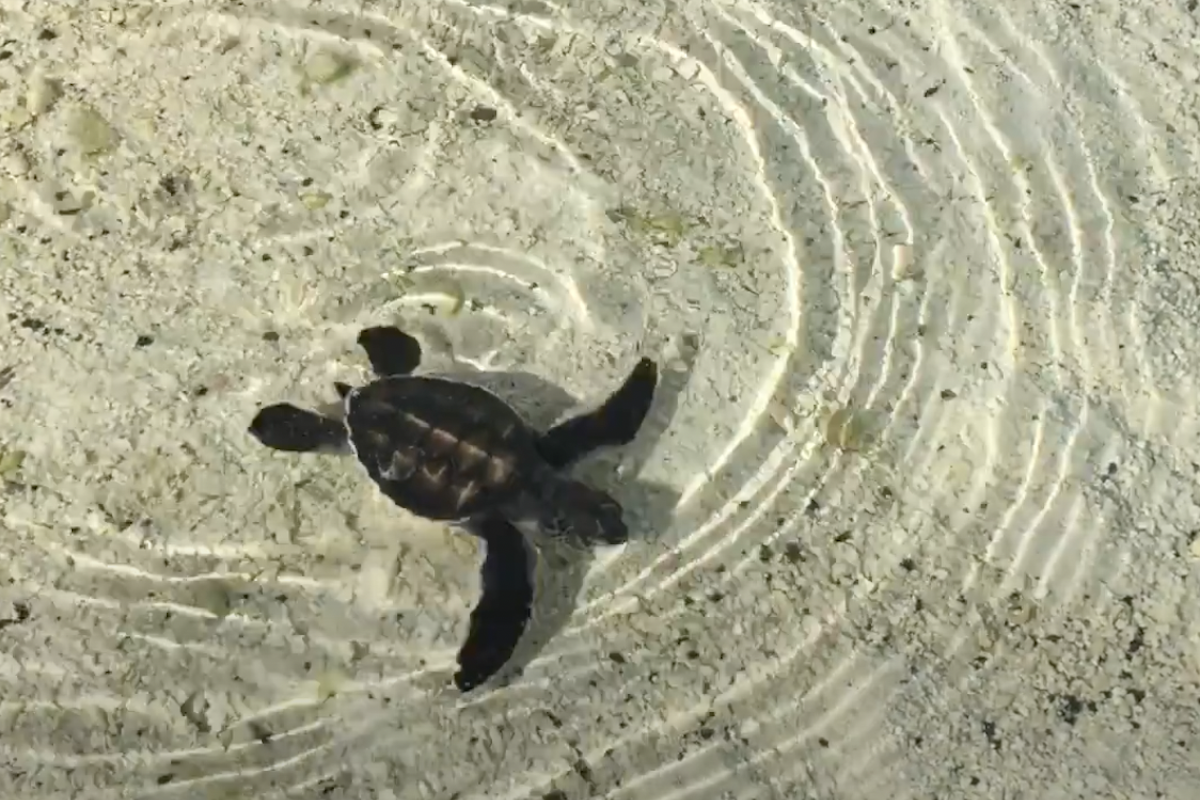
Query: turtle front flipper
390, 350
505, 603
283, 426
615, 423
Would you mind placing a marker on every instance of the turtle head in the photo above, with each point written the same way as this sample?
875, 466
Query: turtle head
576, 510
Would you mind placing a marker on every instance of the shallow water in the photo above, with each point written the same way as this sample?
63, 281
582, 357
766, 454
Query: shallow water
915, 511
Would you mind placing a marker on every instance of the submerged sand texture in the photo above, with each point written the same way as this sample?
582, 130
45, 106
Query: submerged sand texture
915, 513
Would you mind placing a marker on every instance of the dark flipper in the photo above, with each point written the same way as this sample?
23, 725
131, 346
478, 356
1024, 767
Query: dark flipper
283, 426
504, 606
614, 423
390, 350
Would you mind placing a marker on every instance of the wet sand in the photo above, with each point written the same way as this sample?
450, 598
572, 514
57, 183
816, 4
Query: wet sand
913, 515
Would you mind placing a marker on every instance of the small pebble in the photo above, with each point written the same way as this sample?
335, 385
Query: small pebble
326, 66
15, 163
314, 201
483, 114
91, 131
40, 94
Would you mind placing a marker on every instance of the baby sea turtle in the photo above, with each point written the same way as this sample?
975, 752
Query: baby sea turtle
449, 450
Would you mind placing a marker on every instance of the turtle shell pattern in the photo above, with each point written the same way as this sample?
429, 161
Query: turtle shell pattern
442, 449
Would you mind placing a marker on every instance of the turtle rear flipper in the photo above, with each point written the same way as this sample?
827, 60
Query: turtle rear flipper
390, 350
283, 426
615, 423
499, 618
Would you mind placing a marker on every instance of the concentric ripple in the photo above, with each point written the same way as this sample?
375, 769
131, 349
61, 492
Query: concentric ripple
919, 280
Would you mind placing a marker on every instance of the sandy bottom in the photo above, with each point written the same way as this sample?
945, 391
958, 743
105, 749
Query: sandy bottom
917, 510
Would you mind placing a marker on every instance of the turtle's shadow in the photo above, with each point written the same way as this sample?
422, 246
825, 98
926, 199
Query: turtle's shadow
649, 507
